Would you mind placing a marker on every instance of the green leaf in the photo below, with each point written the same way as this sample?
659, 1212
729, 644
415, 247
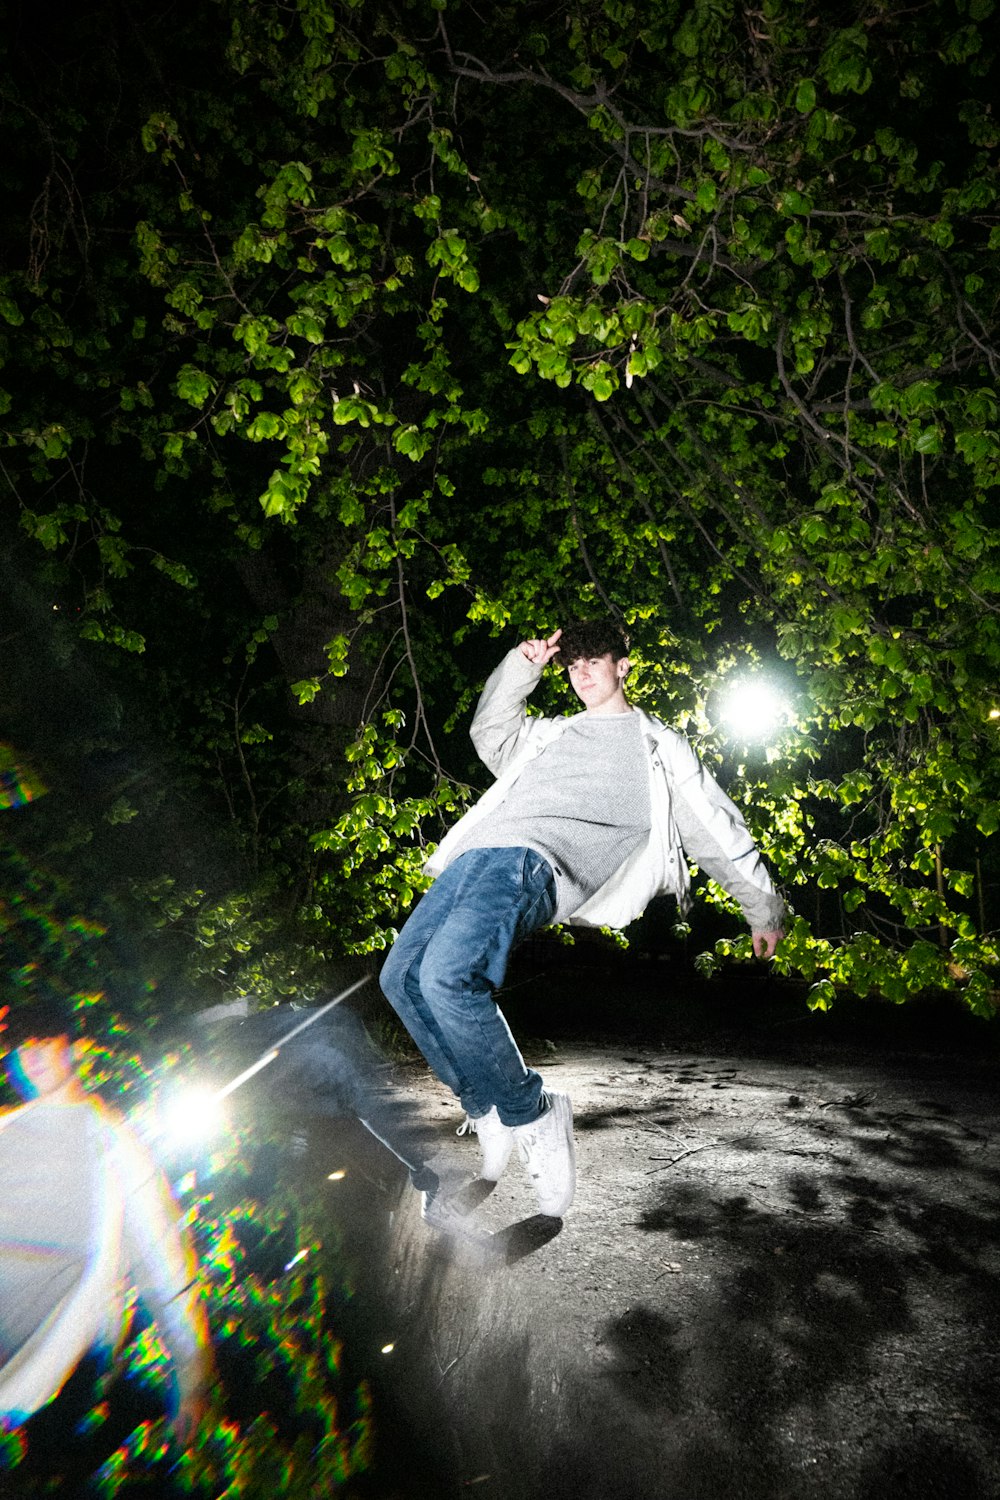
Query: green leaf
805, 96
707, 195
791, 201
821, 995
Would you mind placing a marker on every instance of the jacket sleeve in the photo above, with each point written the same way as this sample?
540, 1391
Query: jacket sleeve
501, 724
161, 1261
717, 839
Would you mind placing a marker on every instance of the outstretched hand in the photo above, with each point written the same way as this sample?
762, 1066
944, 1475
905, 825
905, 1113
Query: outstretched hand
541, 652
766, 943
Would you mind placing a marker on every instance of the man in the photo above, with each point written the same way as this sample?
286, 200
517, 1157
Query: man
85, 1220
589, 819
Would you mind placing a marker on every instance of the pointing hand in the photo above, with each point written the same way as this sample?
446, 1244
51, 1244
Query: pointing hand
541, 652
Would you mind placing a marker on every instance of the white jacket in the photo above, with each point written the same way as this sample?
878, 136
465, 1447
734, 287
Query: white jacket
85, 1216
689, 811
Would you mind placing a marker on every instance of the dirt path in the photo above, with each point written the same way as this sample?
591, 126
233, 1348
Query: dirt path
780, 1280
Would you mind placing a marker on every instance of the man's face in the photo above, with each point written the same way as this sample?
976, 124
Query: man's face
596, 680
41, 1065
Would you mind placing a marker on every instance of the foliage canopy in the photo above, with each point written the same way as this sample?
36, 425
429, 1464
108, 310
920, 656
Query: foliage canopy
359, 335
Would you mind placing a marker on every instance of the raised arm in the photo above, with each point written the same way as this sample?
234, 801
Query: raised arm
501, 721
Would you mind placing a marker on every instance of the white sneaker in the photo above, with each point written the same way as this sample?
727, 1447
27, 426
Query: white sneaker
546, 1148
496, 1142
440, 1187
438, 1209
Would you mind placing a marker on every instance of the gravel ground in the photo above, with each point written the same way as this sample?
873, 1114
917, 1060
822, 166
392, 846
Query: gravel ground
780, 1278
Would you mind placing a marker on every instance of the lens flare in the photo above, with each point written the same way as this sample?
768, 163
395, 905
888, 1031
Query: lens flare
753, 709
193, 1114
19, 784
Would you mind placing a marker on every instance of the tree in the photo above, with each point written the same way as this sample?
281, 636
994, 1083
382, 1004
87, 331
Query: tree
436, 327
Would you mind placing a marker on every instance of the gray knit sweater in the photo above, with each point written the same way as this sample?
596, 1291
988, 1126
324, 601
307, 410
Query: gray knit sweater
584, 806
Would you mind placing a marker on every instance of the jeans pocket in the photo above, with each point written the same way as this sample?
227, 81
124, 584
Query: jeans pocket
538, 877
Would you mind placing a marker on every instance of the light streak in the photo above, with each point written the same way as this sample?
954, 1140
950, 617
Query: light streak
247, 1073
200, 1112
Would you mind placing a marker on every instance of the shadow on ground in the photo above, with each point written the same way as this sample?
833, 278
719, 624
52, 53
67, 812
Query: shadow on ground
780, 1280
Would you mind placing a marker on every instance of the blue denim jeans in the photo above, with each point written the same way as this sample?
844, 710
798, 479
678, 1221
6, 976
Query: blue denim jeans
444, 966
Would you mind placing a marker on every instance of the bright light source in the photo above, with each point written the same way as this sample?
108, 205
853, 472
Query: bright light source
753, 709
336, 1176
296, 1258
192, 1115
388, 1348
995, 713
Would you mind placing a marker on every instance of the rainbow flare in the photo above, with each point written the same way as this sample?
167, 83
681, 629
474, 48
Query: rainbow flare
19, 784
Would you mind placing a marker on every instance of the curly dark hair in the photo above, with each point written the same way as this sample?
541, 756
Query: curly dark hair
592, 638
